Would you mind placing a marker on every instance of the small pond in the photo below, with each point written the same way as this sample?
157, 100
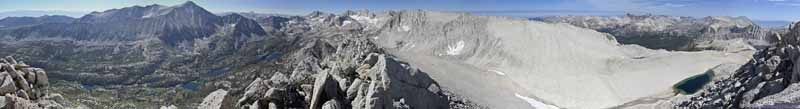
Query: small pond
191, 86
693, 84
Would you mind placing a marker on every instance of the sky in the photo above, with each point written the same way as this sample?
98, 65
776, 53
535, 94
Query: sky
785, 10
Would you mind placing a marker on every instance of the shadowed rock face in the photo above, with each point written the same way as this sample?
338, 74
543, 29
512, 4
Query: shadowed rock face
770, 80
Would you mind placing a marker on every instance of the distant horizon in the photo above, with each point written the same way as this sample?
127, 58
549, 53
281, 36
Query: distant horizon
261, 7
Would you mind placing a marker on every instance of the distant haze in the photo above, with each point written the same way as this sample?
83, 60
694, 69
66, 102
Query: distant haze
34, 13
772, 23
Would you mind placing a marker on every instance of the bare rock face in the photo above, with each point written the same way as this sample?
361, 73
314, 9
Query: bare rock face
217, 100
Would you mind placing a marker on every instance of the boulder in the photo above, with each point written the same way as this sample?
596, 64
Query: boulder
24, 86
253, 92
10, 60
14, 102
41, 79
363, 71
278, 80
352, 91
371, 59
168, 107
23, 94
392, 80
325, 88
17, 77
29, 74
8, 85
332, 104
218, 99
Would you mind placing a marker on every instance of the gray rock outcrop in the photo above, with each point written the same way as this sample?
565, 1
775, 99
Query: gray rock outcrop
391, 82
217, 100
23, 86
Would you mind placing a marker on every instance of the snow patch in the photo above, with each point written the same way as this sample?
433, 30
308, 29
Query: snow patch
535, 103
346, 22
405, 28
366, 19
498, 72
455, 49
147, 16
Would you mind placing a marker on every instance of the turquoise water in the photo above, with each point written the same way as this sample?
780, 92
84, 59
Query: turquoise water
693, 84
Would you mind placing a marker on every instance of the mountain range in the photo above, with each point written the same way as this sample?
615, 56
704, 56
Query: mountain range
184, 56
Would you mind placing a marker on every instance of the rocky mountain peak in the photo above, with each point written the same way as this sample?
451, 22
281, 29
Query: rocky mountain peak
191, 7
189, 4
185, 10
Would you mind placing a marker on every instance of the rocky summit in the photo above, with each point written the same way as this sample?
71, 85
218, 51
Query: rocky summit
184, 56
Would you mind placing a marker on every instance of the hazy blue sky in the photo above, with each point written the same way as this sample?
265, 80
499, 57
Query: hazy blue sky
755, 9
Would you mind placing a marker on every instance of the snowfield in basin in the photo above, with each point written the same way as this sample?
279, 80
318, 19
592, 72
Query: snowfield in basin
554, 64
